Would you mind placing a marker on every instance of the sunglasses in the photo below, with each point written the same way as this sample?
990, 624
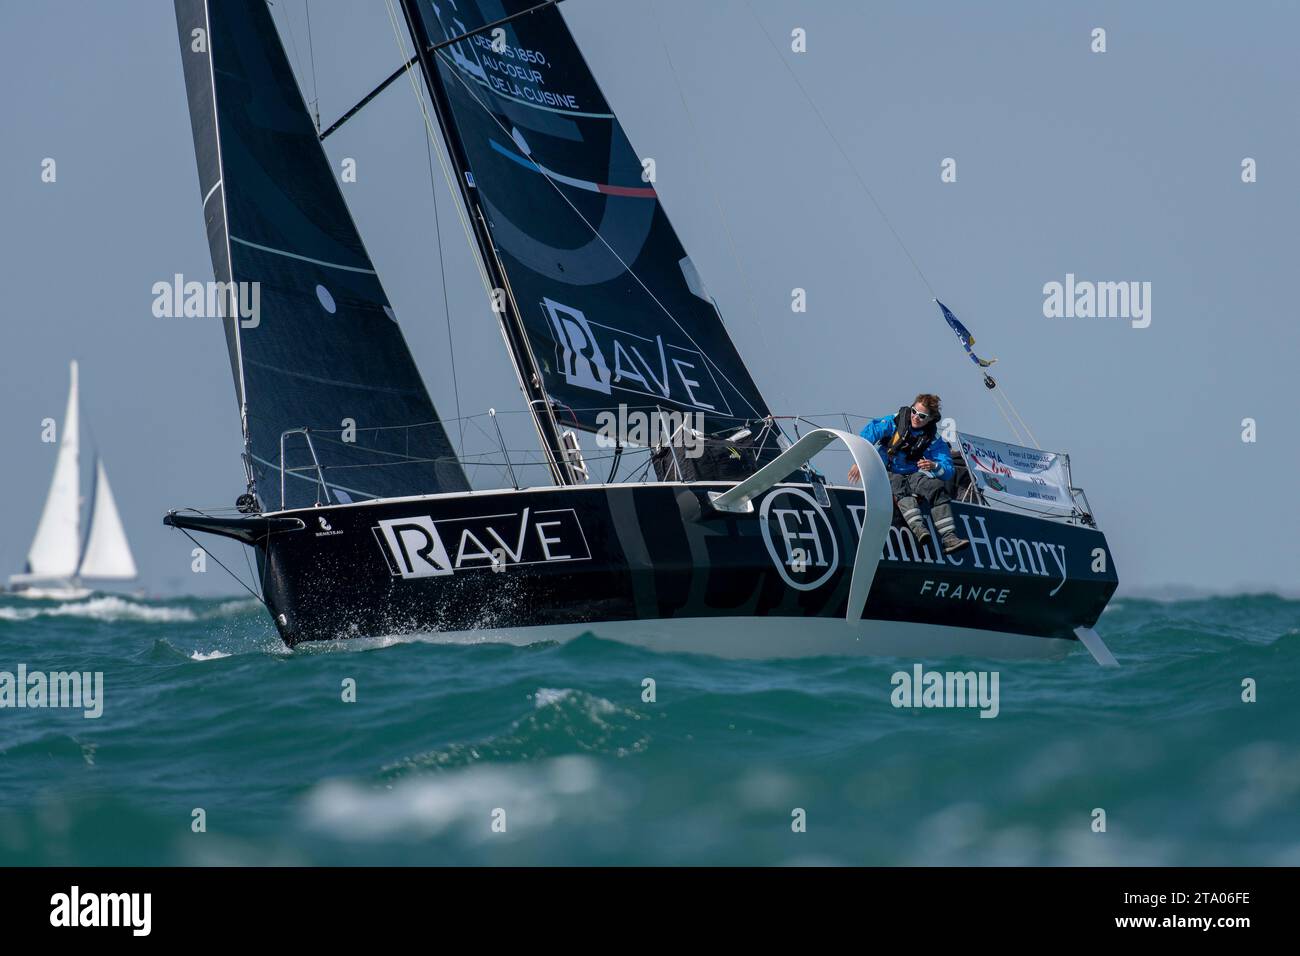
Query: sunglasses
923, 416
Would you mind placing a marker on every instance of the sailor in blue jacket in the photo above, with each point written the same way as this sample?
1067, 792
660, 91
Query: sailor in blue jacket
920, 467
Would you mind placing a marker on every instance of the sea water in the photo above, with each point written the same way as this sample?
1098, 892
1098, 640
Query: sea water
217, 745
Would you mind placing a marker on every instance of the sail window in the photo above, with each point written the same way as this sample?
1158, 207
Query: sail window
326, 300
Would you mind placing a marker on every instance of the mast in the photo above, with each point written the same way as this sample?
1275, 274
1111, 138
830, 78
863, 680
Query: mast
527, 371
237, 355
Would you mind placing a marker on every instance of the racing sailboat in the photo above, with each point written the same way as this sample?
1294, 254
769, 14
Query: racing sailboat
359, 509
60, 560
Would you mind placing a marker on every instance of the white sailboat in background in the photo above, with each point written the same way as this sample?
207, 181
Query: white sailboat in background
59, 559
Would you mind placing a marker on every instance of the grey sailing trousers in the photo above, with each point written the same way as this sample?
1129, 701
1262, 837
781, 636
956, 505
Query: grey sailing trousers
908, 488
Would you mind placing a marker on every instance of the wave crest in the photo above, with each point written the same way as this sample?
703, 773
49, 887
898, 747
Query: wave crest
107, 608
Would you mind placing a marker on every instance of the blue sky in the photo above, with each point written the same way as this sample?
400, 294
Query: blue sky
1115, 166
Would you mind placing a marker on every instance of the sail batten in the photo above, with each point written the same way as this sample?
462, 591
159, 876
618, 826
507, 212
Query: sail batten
294, 255
324, 351
613, 310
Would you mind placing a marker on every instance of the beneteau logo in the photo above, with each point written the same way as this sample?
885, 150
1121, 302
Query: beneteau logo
134, 910
605, 359
684, 430
1102, 300
83, 690
208, 300
326, 529
414, 547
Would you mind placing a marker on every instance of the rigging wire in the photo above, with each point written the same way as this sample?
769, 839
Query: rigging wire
248, 563
437, 144
1023, 423
843, 152
296, 66
235, 576
446, 306
997, 402
315, 93
431, 138
713, 191
879, 209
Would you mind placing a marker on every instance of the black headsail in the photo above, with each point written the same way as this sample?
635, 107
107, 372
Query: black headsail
323, 351
612, 309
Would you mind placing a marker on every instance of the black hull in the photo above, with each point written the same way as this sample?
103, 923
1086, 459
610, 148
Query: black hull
575, 557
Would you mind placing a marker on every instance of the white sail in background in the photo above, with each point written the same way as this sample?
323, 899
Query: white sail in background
107, 553
57, 546
56, 562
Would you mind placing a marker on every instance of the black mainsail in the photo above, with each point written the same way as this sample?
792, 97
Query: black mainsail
610, 308
324, 351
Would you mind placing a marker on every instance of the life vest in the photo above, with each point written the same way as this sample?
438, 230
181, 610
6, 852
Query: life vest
903, 442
